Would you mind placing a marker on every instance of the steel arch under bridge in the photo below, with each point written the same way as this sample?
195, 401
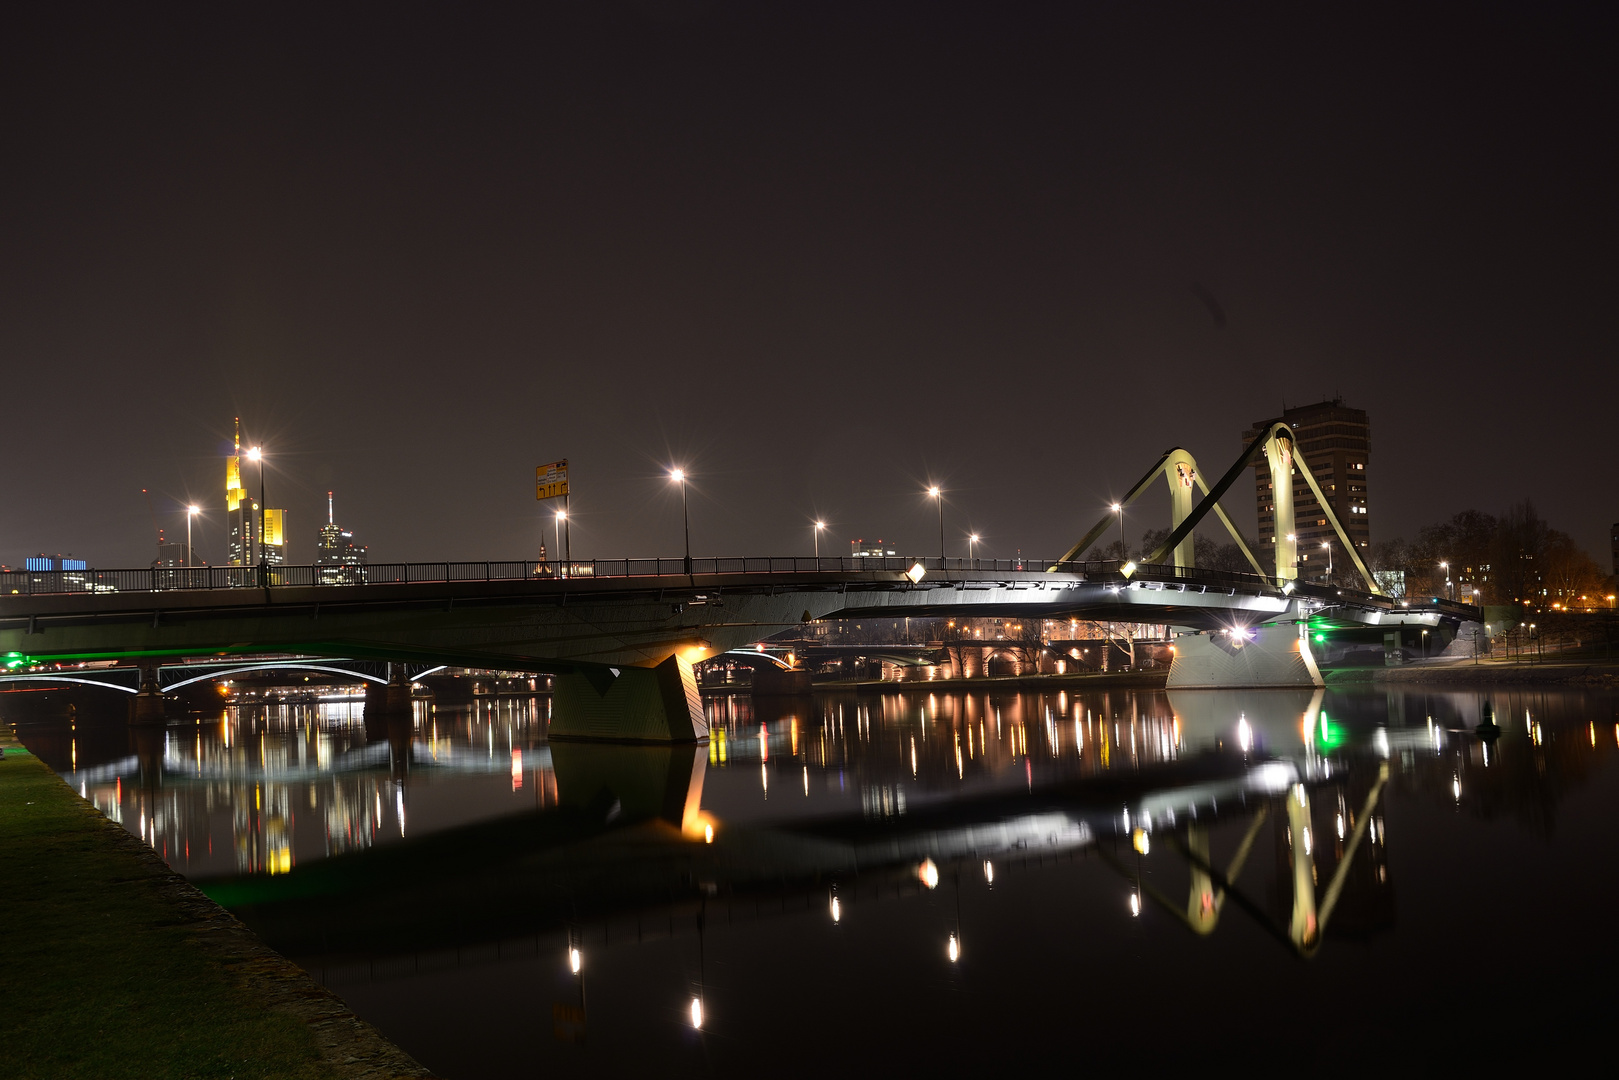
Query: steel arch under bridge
166, 679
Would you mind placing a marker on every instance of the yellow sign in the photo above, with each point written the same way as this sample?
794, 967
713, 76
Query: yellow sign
551, 481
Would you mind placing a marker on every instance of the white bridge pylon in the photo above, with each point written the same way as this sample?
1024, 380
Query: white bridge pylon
1180, 471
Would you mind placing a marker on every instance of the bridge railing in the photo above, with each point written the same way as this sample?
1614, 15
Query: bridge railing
191, 578
167, 579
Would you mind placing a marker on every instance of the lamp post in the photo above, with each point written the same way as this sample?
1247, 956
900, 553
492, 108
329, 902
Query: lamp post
562, 515
1328, 545
972, 543
819, 525
1124, 549
938, 497
1450, 593
679, 477
191, 512
256, 454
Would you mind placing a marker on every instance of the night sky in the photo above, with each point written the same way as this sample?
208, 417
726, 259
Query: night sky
819, 260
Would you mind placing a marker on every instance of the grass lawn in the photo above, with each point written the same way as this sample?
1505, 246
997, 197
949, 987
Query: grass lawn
102, 973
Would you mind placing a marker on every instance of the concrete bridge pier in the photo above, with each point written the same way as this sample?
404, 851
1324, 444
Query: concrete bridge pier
147, 706
657, 705
775, 680
1274, 655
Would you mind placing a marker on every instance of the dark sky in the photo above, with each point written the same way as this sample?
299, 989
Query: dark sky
818, 259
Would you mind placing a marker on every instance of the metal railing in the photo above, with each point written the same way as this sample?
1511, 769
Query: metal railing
167, 579
936, 571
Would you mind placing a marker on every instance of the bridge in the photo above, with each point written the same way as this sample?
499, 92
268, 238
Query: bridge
619, 636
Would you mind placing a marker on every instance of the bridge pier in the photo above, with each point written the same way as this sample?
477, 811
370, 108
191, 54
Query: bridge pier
658, 705
147, 707
1274, 655
775, 680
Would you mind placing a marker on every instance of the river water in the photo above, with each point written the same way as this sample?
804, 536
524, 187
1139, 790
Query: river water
911, 882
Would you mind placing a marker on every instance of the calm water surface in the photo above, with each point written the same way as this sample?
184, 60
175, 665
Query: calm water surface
942, 882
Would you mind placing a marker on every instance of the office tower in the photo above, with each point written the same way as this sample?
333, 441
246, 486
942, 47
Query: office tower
273, 545
340, 559
1335, 441
238, 508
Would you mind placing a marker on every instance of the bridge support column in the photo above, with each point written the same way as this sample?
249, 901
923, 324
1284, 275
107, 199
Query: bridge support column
1266, 656
775, 680
658, 704
147, 708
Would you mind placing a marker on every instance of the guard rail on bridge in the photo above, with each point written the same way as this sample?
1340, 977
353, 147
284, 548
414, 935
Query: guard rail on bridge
201, 578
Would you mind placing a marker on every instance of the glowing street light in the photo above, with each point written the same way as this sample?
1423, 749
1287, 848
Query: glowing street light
819, 526
191, 512
972, 542
1328, 545
1124, 548
938, 496
679, 477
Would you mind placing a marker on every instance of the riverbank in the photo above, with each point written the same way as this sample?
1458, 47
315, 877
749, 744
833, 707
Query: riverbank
1582, 674
112, 965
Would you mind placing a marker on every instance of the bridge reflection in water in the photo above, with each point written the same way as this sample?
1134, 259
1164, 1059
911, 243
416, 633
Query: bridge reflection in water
415, 857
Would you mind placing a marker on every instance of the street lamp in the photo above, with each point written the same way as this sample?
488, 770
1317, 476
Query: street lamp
256, 454
819, 525
972, 541
562, 515
679, 477
938, 497
1450, 594
1124, 552
1328, 545
191, 512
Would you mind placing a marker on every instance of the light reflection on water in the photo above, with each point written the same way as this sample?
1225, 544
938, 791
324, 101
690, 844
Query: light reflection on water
903, 855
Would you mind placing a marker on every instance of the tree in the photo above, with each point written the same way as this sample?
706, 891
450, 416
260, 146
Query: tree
1568, 572
958, 642
1028, 642
1518, 554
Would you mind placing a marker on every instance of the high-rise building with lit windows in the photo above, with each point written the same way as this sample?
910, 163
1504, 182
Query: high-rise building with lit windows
273, 544
1336, 442
340, 560
238, 508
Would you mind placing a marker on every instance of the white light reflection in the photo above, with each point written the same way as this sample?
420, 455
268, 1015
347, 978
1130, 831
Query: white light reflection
697, 1012
1245, 734
576, 960
989, 872
837, 910
1456, 787
928, 873
1135, 904
953, 949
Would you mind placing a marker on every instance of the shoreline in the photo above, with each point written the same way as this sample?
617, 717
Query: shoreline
1579, 674
89, 903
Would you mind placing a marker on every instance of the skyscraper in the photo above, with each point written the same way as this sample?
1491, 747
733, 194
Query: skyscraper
1335, 441
273, 544
238, 508
340, 559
